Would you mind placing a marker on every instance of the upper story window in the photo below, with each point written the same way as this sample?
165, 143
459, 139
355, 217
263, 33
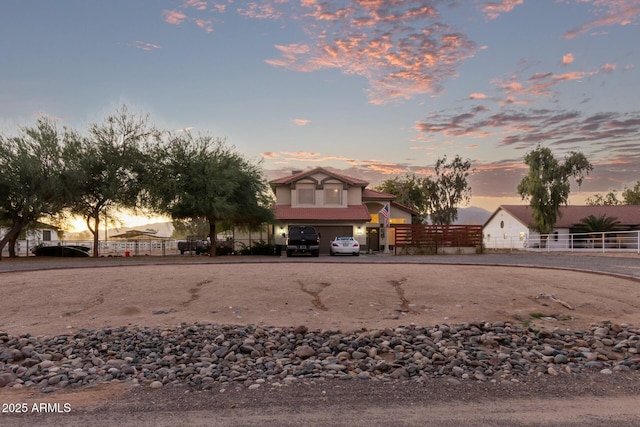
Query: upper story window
306, 196
332, 196
46, 235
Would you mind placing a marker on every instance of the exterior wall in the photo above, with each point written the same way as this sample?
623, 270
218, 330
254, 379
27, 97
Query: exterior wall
354, 196
503, 231
283, 195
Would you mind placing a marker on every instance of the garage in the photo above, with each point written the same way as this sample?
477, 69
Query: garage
328, 232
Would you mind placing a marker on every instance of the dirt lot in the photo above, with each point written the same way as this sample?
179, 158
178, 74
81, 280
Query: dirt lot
318, 295
326, 296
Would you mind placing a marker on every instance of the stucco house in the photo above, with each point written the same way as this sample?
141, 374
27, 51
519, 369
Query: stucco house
512, 226
336, 205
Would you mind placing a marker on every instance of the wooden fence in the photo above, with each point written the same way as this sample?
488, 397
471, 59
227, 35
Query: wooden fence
433, 237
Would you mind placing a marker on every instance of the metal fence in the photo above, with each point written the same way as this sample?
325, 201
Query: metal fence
612, 241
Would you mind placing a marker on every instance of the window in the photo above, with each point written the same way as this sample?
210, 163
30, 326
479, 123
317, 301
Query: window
332, 196
46, 235
306, 196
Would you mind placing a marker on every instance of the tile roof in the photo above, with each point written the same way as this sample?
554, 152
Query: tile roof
350, 213
368, 194
628, 215
298, 176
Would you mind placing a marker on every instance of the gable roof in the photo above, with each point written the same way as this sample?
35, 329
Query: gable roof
570, 216
301, 175
350, 213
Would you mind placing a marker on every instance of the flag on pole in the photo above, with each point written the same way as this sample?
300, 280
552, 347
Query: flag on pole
385, 214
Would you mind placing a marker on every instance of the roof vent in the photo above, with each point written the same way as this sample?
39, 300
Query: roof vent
296, 171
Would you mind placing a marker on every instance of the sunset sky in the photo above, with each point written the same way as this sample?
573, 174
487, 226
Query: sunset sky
371, 88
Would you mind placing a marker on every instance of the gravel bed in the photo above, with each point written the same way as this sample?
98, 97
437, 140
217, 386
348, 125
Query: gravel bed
202, 355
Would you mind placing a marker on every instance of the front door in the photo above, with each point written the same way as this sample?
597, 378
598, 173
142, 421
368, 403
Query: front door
373, 238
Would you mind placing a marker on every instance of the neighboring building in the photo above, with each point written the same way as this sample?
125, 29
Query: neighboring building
512, 226
39, 233
336, 205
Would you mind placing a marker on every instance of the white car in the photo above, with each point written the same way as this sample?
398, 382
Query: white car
345, 245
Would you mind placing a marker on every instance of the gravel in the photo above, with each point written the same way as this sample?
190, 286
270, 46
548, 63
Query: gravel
202, 355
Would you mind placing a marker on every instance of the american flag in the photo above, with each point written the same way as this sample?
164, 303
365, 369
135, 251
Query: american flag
385, 214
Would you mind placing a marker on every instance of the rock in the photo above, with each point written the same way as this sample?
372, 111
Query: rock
156, 384
6, 378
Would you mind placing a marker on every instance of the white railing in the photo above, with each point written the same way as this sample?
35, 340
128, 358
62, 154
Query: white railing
612, 241
105, 248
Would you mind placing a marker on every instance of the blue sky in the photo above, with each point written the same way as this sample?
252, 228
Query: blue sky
372, 88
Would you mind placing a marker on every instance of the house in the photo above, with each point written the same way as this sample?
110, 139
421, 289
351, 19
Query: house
336, 205
512, 226
38, 233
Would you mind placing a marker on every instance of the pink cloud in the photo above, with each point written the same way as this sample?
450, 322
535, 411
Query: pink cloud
567, 59
174, 17
477, 96
493, 10
612, 12
146, 46
259, 11
401, 48
196, 4
301, 122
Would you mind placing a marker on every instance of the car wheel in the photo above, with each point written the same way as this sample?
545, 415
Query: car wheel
316, 253
288, 254
181, 251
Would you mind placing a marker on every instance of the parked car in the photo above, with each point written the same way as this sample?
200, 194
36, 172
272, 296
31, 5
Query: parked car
62, 251
345, 245
302, 240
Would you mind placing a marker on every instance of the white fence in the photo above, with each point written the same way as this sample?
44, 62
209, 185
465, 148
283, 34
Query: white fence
613, 241
105, 248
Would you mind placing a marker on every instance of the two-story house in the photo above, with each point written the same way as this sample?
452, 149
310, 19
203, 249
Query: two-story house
336, 205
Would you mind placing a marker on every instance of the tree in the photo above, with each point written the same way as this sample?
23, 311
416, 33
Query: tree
609, 199
112, 159
547, 184
449, 189
410, 190
631, 196
602, 223
189, 227
39, 176
201, 178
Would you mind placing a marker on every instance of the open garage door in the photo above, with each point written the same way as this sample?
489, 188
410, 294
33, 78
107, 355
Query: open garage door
328, 232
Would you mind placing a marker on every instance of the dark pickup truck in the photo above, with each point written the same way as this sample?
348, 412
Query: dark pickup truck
197, 246
303, 240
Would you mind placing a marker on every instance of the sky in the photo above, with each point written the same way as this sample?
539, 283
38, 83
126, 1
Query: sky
371, 88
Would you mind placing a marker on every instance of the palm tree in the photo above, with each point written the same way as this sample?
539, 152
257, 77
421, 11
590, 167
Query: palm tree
602, 223
599, 224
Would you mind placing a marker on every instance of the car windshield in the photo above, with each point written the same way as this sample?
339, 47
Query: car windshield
344, 238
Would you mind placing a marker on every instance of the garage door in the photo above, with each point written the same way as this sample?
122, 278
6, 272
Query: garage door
328, 232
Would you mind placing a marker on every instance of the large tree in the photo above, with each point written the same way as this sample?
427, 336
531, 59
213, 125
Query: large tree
437, 197
113, 162
39, 176
547, 184
202, 178
631, 196
410, 190
449, 189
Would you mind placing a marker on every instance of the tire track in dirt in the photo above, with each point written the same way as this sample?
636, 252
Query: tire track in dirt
195, 293
404, 302
99, 299
315, 294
